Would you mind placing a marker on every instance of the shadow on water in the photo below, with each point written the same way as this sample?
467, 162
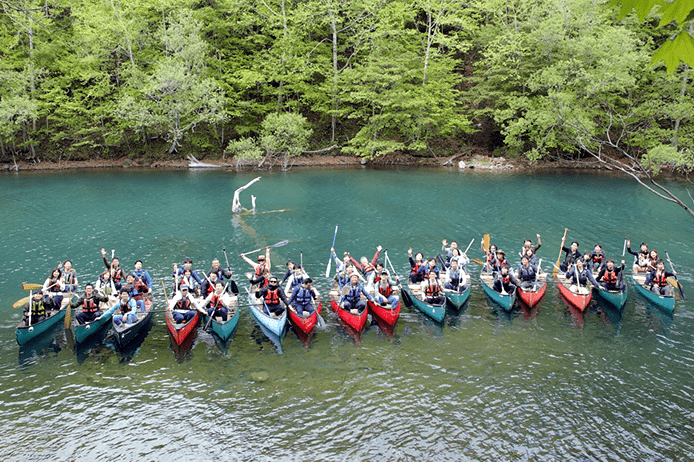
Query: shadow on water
51, 342
128, 352
351, 332
93, 344
262, 336
578, 316
499, 311
183, 351
385, 328
530, 313
609, 313
455, 315
222, 344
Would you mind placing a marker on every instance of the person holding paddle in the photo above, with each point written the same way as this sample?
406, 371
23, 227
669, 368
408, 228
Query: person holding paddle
579, 276
385, 290
572, 256
489, 264
35, 308
610, 276
90, 305
455, 277
295, 280
505, 282
272, 294
187, 266
367, 268
657, 280
527, 273
263, 261
432, 290
214, 301
302, 298
351, 296
68, 275
181, 311
641, 257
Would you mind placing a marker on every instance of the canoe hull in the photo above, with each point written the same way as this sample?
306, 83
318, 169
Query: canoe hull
667, 304
579, 301
84, 331
224, 329
616, 299
273, 328
126, 333
532, 298
504, 301
457, 299
355, 321
25, 334
180, 332
387, 314
305, 325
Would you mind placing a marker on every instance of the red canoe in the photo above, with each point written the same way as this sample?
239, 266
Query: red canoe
579, 301
306, 325
179, 332
385, 313
355, 321
532, 298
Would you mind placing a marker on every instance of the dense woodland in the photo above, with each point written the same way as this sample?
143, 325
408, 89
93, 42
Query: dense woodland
275, 78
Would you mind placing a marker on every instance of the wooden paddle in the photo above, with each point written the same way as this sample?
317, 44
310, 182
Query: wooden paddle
405, 296
537, 273
279, 244
330, 257
30, 286
676, 283
20, 302
556, 266
479, 262
68, 314
485, 242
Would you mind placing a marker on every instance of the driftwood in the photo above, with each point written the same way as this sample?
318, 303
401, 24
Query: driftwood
195, 163
236, 203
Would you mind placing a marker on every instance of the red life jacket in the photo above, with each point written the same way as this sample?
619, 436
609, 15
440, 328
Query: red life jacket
660, 280
216, 301
609, 277
88, 306
433, 290
209, 290
367, 268
117, 275
385, 291
416, 267
505, 279
272, 297
258, 270
597, 258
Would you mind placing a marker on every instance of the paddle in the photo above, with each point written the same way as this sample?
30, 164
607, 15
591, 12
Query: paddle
209, 321
537, 274
501, 282
166, 297
469, 245
624, 249
405, 296
556, 266
234, 287
677, 283
279, 244
21, 302
485, 242
330, 257
68, 314
479, 262
30, 286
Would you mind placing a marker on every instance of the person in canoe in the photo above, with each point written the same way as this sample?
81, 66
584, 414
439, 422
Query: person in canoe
214, 301
295, 280
105, 285
449, 250
262, 280
142, 275
263, 261
578, 276
532, 258
432, 290
223, 273
652, 260
366, 267
657, 280
184, 306
459, 256
186, 279
415, 263
290, 266
272, 294
527, 273
351, 296
187, 265
640, 257
53, 289
489, 256
425, 270
127, 308
208, 285
36, 308
500, 259
385, 290
455, 277
69, 276
136, 290
303, 296
528, 244
610, 276
597, 258
504, 281
117, 274
572, 256
89, 303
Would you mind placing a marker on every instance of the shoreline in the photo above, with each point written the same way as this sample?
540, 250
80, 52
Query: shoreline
477, 162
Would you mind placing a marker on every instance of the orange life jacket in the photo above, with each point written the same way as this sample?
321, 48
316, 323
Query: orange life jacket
433, 290
610, 277
660, 280
385, 291
88, 306
216, 301
272, 297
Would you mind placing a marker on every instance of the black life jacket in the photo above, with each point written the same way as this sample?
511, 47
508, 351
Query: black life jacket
117, 275
89, 306
433, 290
182, 304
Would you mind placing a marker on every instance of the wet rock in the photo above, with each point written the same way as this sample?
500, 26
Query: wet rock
260, 376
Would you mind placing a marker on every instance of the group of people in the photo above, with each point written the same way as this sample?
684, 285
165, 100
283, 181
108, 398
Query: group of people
432, 280
527, 273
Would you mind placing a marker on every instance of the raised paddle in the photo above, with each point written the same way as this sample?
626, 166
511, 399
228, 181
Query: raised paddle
677, 283
330, 257
624, 249
68, 314
556, 266
234, 287
485, 242
20, 302
279, 244
537, 273
469, 245
405, 296
30, 286
479, 262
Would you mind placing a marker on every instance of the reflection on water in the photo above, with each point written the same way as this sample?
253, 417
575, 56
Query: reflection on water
548, 383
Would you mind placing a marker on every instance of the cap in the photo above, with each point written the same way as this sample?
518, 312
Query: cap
187, 260
261, 257
308, 281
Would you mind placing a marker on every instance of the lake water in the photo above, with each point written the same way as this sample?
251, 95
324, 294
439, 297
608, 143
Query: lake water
546, 385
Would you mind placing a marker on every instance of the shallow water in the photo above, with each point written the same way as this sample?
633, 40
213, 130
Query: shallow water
548, 384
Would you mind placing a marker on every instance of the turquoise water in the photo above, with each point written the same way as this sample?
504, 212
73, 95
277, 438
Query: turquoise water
549, 384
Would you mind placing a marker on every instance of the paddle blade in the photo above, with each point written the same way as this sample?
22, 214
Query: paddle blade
485, 242
68, 316
29, 286
555, 271
20, 302
479, 262
406, 297
327, 270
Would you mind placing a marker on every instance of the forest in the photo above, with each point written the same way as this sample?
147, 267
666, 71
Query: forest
272, 79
